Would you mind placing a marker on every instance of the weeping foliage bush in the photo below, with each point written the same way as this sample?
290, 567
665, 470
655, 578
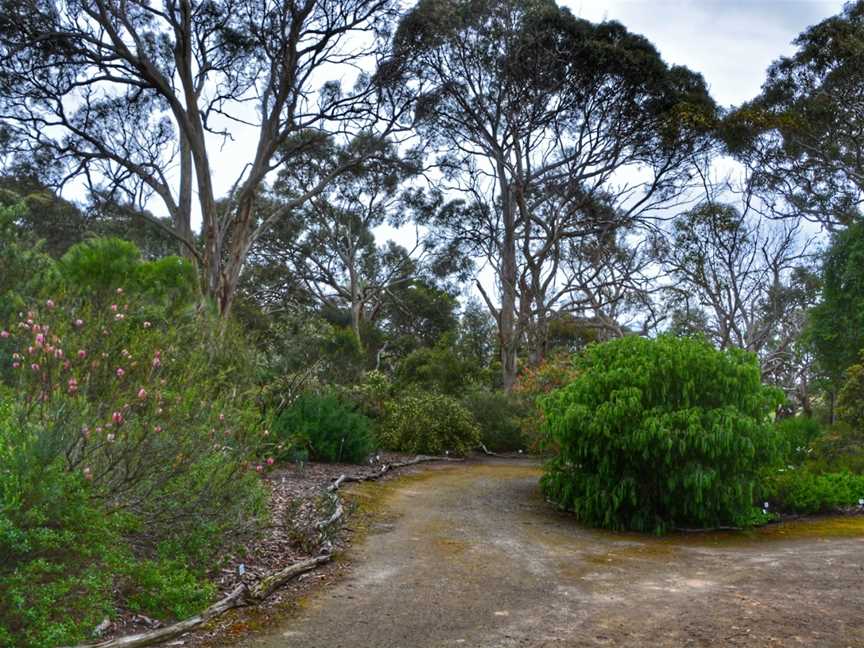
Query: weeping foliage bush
662, 433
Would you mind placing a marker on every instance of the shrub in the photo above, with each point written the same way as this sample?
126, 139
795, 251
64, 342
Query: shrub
800, 490
328, 427
125, 438
534, 383
839, 448
796, 435
428, 423
498, 416
660, 433
57, 549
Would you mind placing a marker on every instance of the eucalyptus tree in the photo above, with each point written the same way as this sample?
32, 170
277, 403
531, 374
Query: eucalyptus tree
327, 248
534, 113
743, 283
801, 137
138, 95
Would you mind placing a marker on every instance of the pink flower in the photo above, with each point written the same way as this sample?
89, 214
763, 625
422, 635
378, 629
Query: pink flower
120, 373
259, 468
117, 418
79, 323
157, 429
98, 429
142, 394
40, 339
82, 354
34, 367
66, 364
270, 461
58, 353
4, 334
72, 385
16, 365
50, 303
114, 308
157, 362
31, 350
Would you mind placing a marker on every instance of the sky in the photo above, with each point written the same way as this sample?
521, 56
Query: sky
730, 42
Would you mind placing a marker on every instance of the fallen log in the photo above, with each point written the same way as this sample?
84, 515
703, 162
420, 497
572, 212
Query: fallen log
240, 596
344, 479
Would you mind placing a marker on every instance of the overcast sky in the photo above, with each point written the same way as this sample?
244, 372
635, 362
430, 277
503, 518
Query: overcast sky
730, 42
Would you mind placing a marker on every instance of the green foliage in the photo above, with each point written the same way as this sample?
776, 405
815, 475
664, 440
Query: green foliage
57, 548
799, 490
167, 589
328, 427
429, 423
26, 272
840, 448
796, 435
126, 437
836, 324
439, 369
499, 417
97, 267
660, 433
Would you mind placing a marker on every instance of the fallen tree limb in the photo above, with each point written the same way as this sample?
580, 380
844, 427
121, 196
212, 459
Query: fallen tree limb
344, 479
240, 596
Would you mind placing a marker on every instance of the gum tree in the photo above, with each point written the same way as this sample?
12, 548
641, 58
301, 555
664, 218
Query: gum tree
137, 96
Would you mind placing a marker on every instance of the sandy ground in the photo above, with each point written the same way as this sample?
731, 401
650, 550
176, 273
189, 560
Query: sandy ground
470, 555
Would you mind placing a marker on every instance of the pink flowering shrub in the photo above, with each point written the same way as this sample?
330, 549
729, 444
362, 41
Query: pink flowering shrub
150, 421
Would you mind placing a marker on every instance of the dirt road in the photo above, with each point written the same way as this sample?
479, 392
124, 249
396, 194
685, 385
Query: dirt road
470, 555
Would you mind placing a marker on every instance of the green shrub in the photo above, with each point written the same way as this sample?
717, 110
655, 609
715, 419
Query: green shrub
427, 423
660, 433
796, 435
167, 589
57, 548
328, 427
800, 490
840, 448
499, 417
126, 437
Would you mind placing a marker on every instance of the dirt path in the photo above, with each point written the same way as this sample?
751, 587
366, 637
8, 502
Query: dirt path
470, 555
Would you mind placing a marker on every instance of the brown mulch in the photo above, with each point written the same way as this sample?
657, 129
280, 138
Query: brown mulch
297, 503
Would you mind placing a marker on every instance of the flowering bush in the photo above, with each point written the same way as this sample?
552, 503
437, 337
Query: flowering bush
429, 423
145, 422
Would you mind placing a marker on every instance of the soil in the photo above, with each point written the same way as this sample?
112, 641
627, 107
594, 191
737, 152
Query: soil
470, 555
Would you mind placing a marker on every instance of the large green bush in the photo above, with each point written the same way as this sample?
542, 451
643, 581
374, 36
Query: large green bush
660, 433
429, 423
326, 426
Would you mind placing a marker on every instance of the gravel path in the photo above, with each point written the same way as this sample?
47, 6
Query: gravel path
470, 555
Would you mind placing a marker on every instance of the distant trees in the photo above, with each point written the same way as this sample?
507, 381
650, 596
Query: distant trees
134, 97
801, 137
535, 113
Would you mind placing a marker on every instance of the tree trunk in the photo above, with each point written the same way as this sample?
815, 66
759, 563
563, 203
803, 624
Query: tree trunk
507, 332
